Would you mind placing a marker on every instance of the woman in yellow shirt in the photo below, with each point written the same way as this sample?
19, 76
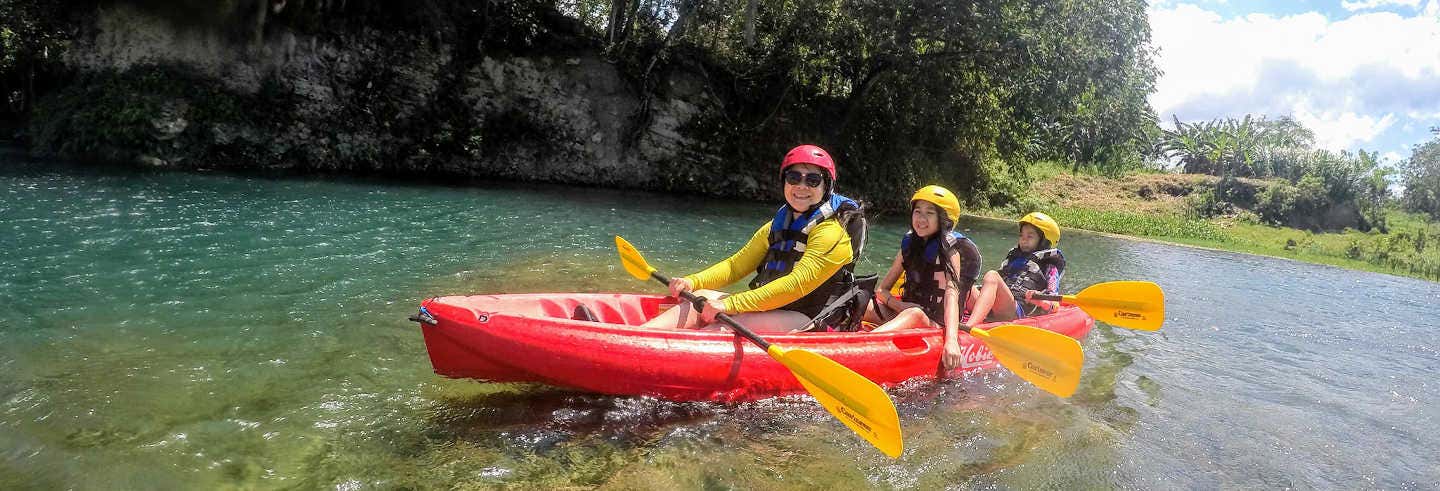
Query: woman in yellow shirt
801, 257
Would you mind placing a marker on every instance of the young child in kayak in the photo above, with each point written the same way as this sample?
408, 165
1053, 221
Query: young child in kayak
940, 267
802, 256
1034, 264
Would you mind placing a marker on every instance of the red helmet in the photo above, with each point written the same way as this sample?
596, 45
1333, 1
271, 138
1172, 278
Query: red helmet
809, 154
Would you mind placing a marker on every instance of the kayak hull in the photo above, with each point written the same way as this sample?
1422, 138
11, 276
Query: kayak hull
531, 338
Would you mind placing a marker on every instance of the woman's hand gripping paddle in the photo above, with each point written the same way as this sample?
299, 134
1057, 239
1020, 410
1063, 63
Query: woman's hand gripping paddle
854, 400
1130, 304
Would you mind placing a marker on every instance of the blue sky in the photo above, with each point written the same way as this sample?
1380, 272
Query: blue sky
1362, 74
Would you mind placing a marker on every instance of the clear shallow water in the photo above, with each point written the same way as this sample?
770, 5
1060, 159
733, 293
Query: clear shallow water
198, 331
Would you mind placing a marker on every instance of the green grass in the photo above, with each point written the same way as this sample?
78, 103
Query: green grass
1411, 248
1126, 223
1040, 171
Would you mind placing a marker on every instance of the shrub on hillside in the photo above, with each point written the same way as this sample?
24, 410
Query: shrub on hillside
1240, 192
1307, 188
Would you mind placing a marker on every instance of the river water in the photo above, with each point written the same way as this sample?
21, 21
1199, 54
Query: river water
179, 330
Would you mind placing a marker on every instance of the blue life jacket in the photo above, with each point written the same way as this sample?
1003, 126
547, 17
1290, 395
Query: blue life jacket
787, 245
925, 274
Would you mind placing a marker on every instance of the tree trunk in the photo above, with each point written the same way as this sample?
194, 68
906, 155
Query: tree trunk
617, 20
750, 8
258, 34
630, 19
677, 29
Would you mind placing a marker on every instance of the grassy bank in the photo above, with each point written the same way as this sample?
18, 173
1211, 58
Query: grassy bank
1161, 207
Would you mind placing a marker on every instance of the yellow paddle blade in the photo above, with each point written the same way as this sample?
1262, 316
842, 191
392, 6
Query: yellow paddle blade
1129, 304
1048, 359
632, 260
851, 398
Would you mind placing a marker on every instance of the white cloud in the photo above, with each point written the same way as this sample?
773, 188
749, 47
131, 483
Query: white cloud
1371, 4
1349, 80
1341, 130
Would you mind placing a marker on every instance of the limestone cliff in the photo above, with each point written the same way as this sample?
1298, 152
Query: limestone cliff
238, 88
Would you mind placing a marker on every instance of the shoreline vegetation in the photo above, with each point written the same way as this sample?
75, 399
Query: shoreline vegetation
1162, 207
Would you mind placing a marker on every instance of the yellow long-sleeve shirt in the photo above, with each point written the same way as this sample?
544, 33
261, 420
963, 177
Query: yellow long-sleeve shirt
826, 251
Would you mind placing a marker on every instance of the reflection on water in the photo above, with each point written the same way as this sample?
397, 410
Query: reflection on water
229, 331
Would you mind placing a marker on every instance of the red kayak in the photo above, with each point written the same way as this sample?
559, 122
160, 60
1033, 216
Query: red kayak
533, 338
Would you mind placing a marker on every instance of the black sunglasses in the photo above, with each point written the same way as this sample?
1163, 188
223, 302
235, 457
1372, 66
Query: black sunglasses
812, 180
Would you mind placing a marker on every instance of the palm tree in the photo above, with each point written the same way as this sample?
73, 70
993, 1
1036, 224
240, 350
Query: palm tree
1190, 144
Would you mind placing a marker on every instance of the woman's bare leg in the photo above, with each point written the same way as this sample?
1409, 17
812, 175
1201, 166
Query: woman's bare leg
876, 313
682, 315
772, 322
871, 315
911, 317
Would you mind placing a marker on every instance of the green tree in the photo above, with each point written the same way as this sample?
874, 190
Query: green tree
1420, 175
33, 36
906, 92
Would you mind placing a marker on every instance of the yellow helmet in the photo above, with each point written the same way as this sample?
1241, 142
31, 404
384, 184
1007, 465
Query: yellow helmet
1047, 226
942, 198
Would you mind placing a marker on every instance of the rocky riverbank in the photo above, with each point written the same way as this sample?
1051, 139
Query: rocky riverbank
157, 92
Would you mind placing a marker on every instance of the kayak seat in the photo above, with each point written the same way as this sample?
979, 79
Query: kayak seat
844, 312
595, 309
583, 313
858, 228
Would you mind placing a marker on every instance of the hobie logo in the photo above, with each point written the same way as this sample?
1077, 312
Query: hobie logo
1121, 314
975, 354
1039, 370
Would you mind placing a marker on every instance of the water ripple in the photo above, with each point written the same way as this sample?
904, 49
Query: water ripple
223, 331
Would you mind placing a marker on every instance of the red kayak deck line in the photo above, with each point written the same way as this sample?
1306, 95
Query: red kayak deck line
531, 338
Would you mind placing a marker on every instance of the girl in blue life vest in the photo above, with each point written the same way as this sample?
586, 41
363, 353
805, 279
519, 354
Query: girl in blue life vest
801, 258
1035, 264
940, 267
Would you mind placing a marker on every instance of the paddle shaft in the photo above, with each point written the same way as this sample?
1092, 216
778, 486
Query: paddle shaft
699, 303
1052, 298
